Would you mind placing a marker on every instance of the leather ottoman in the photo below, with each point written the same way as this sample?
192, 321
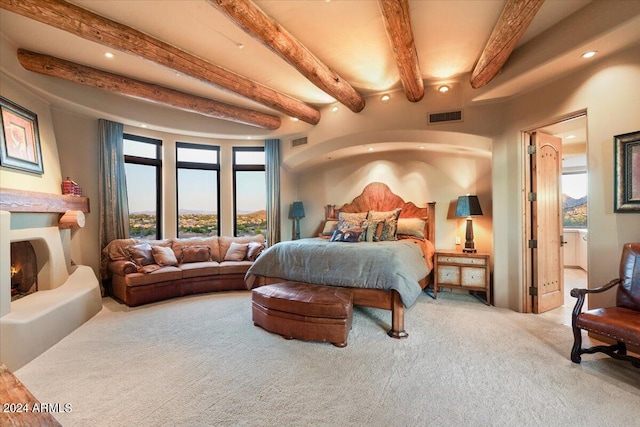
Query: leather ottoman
304, 311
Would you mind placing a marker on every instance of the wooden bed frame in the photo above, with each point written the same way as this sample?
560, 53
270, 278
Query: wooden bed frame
379, 197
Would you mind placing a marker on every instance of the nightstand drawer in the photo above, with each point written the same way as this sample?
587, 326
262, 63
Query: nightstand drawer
448, 274
461, 260
473, 277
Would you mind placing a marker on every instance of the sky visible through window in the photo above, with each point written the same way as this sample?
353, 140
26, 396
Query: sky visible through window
197, 193
574, 185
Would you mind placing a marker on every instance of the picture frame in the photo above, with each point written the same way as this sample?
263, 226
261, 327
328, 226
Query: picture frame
20, 138
627, 172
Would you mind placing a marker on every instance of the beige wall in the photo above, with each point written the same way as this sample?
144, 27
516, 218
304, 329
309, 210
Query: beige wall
609, 92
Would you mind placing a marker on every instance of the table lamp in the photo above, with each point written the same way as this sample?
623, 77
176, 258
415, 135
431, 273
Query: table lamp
297, 212
468, 206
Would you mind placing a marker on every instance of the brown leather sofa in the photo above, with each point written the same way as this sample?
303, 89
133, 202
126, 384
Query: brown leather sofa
620, 323
144, 271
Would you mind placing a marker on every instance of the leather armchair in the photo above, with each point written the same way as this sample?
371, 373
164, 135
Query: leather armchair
620, 323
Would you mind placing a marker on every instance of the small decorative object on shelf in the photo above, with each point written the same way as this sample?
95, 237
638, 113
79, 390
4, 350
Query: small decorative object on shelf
71, 188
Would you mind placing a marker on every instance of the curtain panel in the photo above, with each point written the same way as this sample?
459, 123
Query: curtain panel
272, 173
113, 202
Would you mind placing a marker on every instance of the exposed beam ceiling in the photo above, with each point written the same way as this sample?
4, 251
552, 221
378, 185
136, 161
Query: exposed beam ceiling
398, 25
91, 26
55, 67
246, 15
511, 26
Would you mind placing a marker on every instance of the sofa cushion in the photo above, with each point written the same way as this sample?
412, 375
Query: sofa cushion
116, 249
162, 274
212, 242
164, 255
195, 254
199, 269
234, 267
224, 242
236, 252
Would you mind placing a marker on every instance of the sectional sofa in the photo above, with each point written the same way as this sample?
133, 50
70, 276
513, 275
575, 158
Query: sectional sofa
144, 271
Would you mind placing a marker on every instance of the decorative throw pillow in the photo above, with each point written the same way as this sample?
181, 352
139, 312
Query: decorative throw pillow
195, 254
236, 251
373, 230
353, 234
413, 227
384, 215
329, 227
141, 254
164, 255
389, 230
351, 220
254, 250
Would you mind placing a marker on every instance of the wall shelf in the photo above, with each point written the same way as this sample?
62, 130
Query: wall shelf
32, 201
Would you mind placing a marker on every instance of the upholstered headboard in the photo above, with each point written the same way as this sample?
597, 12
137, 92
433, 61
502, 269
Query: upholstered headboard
377, 196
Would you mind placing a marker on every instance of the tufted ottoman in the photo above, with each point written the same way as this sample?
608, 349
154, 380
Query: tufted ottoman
304, 311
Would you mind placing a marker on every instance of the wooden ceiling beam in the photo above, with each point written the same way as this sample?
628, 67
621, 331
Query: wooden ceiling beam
88, 25
55, 67
246, 15
398, 24
512, 24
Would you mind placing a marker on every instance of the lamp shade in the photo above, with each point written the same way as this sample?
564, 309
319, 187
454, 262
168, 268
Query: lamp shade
297, 210
468, 206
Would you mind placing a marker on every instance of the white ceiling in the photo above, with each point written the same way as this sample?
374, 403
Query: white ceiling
348, 35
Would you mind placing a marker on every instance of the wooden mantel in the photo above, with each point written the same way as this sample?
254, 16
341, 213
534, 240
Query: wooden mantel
32, 201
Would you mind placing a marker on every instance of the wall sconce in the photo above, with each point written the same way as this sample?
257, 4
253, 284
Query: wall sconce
468, 206
443, 89
297, 212
13, 270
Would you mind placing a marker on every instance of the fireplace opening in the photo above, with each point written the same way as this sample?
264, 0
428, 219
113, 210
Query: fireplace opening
24, 270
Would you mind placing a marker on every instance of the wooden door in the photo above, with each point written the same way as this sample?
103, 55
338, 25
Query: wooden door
547, 287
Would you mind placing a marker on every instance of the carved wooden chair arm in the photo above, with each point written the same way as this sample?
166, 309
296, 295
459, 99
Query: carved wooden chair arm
581, 293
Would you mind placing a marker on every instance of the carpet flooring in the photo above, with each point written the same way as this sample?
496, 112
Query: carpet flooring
200, 361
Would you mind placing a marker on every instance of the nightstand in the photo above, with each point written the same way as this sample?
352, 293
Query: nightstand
462, 270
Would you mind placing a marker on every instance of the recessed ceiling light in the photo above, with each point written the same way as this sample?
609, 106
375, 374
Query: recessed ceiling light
248, 137
143, 125
385, 98
571, 136
294, 119
589, 54
335, 108
443, 89
370, 149
109, 55
421, 147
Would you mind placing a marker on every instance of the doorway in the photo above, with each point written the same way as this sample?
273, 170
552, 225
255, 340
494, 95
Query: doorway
572, 132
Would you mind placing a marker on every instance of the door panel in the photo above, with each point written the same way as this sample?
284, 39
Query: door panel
546, 229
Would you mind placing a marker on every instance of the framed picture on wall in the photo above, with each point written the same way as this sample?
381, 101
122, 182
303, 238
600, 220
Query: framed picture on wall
20, 143
627, 172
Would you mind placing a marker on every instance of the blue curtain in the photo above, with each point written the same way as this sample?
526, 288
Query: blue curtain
272, 172
114, 206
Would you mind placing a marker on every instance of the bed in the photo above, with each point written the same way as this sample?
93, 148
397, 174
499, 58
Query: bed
387, 274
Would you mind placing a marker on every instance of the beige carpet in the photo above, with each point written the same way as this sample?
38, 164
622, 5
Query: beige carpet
199, 361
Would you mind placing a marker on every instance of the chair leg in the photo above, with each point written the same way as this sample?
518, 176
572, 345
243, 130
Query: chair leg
577, 345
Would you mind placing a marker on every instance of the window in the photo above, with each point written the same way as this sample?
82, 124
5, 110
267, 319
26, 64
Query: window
574, 200
249, 191
143, 170
198, 186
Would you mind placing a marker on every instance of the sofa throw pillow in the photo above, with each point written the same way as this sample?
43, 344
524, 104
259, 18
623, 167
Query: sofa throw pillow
352, 234
164, 255
373, 230
254, 250
195, 254
413, 227
141, 254
236, 251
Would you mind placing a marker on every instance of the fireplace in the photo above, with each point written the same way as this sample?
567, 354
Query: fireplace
24, 270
